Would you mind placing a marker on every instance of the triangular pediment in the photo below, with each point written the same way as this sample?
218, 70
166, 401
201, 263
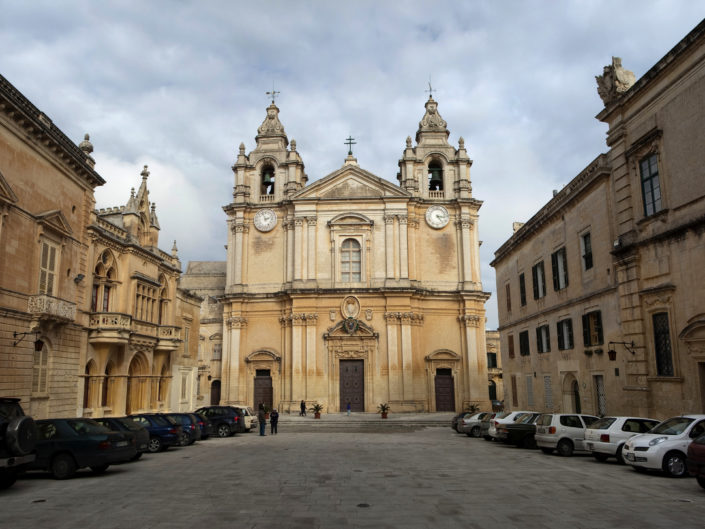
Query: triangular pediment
350, 182
6, 193
56, 221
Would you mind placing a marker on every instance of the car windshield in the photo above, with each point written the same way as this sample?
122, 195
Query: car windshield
130, 424
674, 426
161, 421
84, 427
603, 424
501, 415
545, 420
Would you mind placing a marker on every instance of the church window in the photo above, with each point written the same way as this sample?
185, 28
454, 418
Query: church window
267, 180
435, 176
350, 261
650, 187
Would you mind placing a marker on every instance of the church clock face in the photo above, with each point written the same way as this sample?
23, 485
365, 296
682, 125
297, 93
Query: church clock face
265, 220
437, 216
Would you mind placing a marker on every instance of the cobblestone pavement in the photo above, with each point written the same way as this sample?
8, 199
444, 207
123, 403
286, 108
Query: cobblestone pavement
428, 478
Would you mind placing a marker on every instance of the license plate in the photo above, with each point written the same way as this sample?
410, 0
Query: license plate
121, 443
541, 429
630, 457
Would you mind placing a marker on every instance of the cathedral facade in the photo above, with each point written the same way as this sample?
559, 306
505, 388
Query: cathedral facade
353, 289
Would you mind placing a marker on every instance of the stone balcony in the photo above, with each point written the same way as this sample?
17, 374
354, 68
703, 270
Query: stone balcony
169, 337
45, 307
109, 327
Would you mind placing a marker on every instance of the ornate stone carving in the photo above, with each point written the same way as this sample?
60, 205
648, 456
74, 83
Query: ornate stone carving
614, 81
432, 120
49, 307
302, 318
470, 320
350, 307
368, 314
350, 188
271, 124
236, 322
406, 318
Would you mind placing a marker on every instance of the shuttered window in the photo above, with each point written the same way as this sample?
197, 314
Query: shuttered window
559, 267
547, 392
592, 329
522, 289
539, 280
565, 334
47, 268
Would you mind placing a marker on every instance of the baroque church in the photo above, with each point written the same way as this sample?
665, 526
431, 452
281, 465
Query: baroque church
351, 289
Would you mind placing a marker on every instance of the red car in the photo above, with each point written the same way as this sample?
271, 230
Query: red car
696, 460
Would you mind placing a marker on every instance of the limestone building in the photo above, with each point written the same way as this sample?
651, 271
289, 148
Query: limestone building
353, 289
601, 298
46, 200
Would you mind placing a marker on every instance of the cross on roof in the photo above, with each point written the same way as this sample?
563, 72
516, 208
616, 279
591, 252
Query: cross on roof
349, 142
273, 94
430, 88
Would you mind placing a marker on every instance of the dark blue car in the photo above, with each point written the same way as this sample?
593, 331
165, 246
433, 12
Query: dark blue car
125, 424
163, 432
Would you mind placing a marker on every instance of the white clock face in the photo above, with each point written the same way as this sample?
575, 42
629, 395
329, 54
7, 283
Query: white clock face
265, 220
437, 216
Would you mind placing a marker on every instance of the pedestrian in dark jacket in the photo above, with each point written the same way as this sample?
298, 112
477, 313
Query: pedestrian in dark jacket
303, 408
261, 418
274, 420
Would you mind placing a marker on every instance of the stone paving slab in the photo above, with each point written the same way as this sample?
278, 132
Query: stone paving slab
429, 478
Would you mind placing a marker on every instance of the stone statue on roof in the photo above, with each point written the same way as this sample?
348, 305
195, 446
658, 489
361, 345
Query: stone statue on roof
614, 81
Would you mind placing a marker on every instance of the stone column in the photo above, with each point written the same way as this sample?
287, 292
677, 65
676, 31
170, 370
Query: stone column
394, 371
389, 244
465, 226
288, 225
298, 247
311, 247
237, 253
298, 388
403, 248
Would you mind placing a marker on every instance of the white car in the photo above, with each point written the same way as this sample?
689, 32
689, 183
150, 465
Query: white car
564, 432
665, 446
250, 416
502, 418
606, 436
470, 424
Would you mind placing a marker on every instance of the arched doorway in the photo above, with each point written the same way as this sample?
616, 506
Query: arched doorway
571, 394
215, 392
137, 384
575, 390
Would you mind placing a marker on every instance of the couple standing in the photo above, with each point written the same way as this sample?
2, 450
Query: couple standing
262, 418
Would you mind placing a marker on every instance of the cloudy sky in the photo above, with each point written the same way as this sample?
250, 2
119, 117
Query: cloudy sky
179, 84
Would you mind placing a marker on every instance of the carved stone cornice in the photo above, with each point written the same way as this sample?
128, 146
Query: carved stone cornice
470, 320
404, 318
464, 223
389, 219
236, 322
311, 221
299, 318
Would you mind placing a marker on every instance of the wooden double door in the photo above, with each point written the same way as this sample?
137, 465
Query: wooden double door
264, 393
352, 385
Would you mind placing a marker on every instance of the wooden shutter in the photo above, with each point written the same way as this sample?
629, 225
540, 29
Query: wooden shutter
561, 337
586, 330
534, 276
554, 269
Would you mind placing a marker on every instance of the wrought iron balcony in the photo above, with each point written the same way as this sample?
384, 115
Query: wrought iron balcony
47, 307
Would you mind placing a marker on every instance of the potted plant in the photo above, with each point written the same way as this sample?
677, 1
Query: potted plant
383, 409
317, 409
267, 409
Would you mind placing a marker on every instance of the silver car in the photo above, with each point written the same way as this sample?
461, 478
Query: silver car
470, 424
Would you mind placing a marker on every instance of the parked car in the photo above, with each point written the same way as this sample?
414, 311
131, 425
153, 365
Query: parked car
485, 424
205, 425
505, 417
18, 437
227, 420
125, 424
163, 432
607, 435
520, 432
563, 432
66, 445
470, 424
457, 418
190, 431
665, 446
696, 460
250, 416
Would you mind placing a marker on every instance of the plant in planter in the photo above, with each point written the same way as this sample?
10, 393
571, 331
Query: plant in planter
267, 410
472, 408
383, 409
316, 409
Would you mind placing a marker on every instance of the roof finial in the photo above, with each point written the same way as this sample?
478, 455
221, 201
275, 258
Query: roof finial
349, 142
430, 88
86, 146
144, 173
273, 94
174, 250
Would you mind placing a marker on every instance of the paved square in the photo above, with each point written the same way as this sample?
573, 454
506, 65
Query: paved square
429, 478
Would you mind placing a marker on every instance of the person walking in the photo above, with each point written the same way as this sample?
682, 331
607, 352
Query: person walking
261, 418
349, 408
303, 409
274, 421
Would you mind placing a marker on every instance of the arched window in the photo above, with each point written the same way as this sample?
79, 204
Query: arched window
435, 176
163, 301
493, 390
576, 397
267, 180
350, 261
104, 280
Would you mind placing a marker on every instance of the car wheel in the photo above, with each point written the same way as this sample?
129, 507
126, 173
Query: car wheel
475, 432
184, 439
620, 458
223, 430
547, 450
8, 478
701, 481
565, 448
674, 465
155, 445
600, 457
63, 466
99, 469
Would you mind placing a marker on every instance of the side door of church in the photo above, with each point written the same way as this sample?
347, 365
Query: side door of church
445, 390
352, 385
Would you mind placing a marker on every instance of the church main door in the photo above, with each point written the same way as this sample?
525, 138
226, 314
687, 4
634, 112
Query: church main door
263, 388
445, 390
352, 385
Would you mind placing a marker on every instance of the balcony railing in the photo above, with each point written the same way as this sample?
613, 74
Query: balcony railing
436, 194
51, 308
266, 198
169, 332
111, 320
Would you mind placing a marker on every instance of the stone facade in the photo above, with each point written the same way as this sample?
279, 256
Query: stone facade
353, 288
46, 200
495, 377
623, 249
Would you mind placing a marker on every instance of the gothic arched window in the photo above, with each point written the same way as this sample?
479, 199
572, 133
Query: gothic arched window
350, 261
435, 176
104, 281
